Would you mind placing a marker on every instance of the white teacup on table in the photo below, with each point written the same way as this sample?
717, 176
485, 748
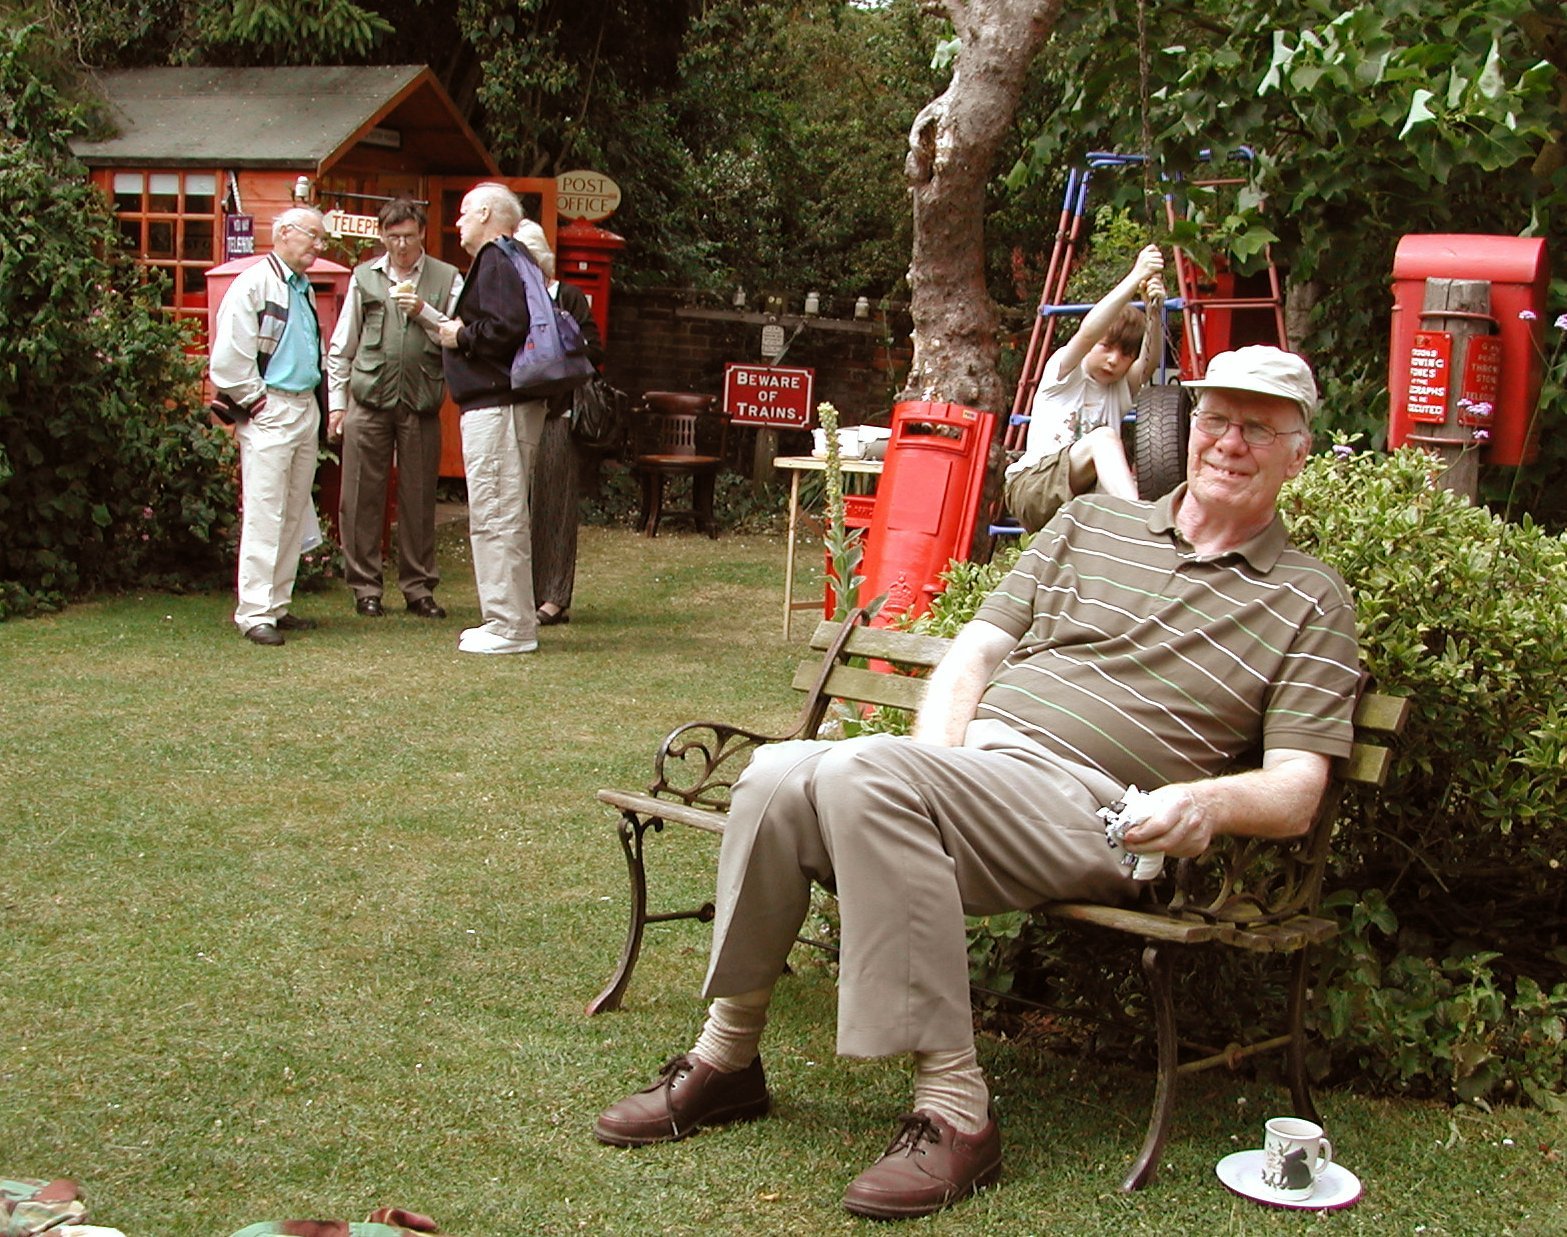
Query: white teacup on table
1295, 1153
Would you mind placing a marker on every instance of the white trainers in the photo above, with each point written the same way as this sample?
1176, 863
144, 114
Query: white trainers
482, 640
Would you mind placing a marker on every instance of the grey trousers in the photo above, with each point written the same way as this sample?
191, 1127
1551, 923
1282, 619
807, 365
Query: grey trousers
371, 437
912, 837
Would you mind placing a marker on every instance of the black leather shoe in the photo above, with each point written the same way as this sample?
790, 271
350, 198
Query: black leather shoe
370, 607
426, 607
264, 633
687, 1095
290, 622
548, 618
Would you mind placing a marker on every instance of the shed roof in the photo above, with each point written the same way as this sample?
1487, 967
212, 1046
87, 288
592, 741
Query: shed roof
280, 118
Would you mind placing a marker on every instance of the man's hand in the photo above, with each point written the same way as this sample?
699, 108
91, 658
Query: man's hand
449, 330
1176, 824
334, 423
1275, 801
408, 301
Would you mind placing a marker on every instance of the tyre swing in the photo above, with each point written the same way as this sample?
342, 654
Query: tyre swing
1159, 428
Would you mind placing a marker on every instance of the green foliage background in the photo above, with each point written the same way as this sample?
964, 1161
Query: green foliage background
109, 473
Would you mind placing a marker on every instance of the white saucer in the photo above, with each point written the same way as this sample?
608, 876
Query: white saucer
1242, 1172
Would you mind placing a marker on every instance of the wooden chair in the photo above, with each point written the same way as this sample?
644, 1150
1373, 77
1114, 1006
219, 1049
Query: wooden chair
676, 434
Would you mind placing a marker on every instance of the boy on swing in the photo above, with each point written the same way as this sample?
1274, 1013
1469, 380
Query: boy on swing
1074, 431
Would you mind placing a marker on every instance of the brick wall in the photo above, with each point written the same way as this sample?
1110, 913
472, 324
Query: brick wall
667, 340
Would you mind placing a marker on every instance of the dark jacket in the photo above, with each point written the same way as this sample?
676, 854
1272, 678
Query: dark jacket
494, 312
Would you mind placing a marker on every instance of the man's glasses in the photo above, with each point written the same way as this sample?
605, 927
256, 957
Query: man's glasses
394, 238
1254, 433
318, 237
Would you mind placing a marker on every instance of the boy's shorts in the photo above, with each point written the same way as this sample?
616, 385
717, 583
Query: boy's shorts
1037, 492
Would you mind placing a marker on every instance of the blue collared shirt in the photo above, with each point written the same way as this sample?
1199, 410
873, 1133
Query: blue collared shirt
296, 364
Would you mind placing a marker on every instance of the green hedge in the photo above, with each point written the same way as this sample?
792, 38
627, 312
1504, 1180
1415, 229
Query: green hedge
110, 472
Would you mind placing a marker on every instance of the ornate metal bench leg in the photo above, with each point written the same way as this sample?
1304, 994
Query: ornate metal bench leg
630, 830
1295, 1054
1156, 967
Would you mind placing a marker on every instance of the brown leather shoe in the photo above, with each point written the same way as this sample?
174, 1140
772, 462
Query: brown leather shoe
688, 1094
926, 1166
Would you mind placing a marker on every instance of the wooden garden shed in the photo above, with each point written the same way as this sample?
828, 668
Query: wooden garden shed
205, 158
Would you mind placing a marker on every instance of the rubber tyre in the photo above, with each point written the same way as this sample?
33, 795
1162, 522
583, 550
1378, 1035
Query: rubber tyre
1159, 437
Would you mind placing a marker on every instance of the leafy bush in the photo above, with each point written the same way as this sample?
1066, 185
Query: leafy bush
110, 473
1446, 978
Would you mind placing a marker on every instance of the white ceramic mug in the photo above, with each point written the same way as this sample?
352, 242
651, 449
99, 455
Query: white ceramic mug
1294, 1155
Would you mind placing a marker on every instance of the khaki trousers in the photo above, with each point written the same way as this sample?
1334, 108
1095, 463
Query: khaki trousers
277, 467
912, 837
497, 454
371, 439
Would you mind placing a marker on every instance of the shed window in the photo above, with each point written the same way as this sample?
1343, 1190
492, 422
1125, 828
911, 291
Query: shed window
170, 221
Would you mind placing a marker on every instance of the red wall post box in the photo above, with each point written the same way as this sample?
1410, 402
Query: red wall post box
1519, 275
926, 503
584, 255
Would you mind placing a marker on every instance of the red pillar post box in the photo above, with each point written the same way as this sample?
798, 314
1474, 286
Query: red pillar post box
926, 503
584, 255
1519, 275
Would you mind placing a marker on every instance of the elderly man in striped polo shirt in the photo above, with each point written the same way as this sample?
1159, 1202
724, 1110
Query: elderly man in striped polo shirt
1153, 644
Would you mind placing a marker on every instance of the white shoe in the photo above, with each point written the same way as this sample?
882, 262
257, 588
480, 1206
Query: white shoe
479, 640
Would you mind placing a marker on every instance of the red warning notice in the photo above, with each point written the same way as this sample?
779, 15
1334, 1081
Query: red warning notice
1430, 365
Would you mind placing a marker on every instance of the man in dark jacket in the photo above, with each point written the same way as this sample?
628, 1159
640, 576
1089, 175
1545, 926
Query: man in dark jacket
500, 432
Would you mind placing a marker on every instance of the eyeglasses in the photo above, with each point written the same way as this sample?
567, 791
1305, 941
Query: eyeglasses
397, 238
318, 237
1254, 433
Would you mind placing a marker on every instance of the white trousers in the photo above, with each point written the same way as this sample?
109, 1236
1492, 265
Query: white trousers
277, 464
498, 446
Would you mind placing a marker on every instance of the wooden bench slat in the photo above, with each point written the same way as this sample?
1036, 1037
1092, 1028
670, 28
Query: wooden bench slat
1382, 713
1367, 764
897, 691
906, 647
1150, 924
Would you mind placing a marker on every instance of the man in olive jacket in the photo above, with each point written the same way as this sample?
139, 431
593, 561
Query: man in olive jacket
384, 390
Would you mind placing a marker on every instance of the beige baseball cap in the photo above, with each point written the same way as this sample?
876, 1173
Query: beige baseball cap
1265, 370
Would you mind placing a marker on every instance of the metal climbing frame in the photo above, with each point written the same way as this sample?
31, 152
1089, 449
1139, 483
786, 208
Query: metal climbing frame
1218, 311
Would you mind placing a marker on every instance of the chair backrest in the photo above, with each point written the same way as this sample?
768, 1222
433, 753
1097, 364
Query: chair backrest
697, 435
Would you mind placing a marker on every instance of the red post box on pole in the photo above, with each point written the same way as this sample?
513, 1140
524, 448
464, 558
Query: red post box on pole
926, 503
585, 256
1426, 381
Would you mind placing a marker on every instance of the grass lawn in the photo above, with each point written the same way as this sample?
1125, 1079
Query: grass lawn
306, 931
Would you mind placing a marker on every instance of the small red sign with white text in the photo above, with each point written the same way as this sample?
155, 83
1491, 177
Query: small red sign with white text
1430, 362
1482, 381
769, 395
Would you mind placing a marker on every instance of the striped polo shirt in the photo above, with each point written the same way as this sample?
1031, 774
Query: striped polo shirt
1153, 664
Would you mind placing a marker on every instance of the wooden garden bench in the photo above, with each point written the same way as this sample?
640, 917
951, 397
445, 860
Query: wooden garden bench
1247, 893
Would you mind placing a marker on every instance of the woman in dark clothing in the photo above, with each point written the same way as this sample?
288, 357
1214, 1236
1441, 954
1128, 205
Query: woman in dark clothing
556, 492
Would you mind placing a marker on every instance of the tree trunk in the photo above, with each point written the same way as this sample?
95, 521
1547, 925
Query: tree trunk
952, 149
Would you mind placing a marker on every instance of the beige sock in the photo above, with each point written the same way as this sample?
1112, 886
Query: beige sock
733, 1030
951, 1085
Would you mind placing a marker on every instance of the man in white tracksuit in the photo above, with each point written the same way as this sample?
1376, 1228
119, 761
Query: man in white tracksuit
266, 357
